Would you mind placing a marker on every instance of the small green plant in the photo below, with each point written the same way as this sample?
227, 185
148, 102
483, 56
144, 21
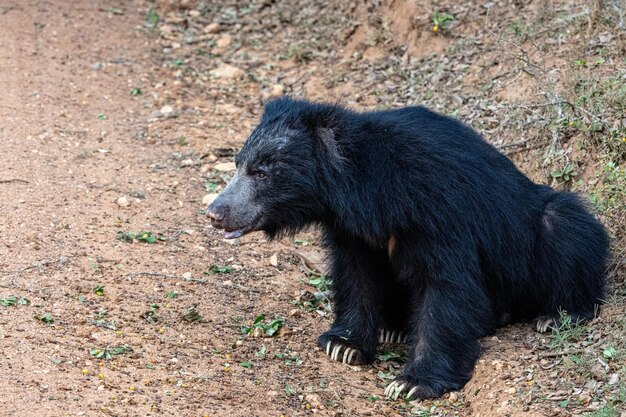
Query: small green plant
12, 300
135, 92
147, 237
566, 174
151, 315
441, 21
566, 331
182, 141
610, 353
45, 318
125, 236
289, 390
101, 116
216, 269
210, 186
388, 355
108, 352
268, 329
191, 314
172, 294
261, 352
320, 281
98, 290
247, 365
152, 18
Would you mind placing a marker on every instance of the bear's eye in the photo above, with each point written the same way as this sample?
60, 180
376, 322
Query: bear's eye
260, 175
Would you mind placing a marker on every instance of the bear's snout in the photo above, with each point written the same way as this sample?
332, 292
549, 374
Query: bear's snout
216, 212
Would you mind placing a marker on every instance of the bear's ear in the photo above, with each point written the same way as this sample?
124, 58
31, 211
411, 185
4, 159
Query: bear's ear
326, 136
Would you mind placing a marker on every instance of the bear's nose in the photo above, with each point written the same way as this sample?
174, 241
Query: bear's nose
216, 210
215, 216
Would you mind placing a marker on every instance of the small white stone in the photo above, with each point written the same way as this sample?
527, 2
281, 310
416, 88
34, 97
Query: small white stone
187, 162
166, 110
274, 260
226, 71
123, 201
225, 166
209, 198
187, 275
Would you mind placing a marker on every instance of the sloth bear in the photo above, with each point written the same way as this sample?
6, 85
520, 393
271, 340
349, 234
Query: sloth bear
434, 238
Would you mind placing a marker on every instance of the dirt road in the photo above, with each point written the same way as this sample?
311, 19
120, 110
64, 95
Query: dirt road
117, 119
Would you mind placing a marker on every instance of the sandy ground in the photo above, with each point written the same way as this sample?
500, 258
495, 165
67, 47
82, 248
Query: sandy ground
96, 143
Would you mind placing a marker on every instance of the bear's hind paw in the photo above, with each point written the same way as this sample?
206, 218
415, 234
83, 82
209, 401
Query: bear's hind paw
545, 323
392, 336
413, 391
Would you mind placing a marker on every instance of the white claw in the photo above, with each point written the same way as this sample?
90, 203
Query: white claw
381, 336
400, 337
411, 392
345, 354
390, 388
350, 356
328, 348
335, 353
393, 336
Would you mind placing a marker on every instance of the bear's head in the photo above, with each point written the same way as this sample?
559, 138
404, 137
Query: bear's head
285, 171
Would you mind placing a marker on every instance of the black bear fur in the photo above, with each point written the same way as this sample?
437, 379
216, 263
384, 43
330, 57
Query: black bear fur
433, 236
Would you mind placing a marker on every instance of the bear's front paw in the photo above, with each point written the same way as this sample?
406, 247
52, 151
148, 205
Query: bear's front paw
341, 350
414, 391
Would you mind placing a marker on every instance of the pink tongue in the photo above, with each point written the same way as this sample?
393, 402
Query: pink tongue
232, 235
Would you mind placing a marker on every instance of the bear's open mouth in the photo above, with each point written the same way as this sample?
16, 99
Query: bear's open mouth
234, 234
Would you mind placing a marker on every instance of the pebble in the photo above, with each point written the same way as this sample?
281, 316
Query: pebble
212, 28
167, 111
224, 41
454, 397
187, 275
275, 90
209, 198
274, 260
187, 162
226, 71
225, 166
123, 201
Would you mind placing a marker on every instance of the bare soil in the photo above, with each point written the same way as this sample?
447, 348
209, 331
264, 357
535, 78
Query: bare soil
121, 119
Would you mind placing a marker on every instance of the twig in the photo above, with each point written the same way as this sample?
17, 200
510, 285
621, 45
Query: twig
151, 274
528, 148
43, 263
560, 353
14, 180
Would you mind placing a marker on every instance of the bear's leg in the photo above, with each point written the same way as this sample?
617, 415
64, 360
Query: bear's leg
451, 312
396, 311
570, 262
358, 272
